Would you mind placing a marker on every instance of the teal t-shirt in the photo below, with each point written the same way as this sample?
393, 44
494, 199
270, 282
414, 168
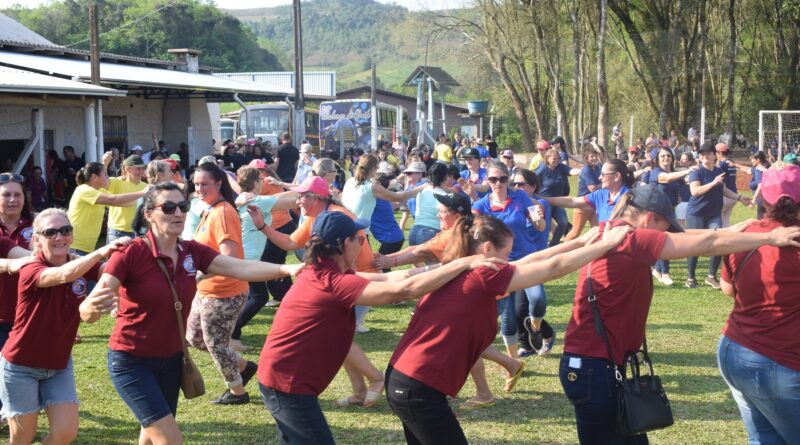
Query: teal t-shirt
427, 208
252, 239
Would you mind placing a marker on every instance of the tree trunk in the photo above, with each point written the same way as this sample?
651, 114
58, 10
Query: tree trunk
519, 105
602, 87
576, 71
731, 71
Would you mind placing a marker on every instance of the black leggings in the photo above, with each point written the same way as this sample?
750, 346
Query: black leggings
390, 248
426, 416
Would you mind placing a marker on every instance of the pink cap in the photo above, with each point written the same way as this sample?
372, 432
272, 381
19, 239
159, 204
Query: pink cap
777, 183
721, 147
508, 153
252, 142
173, 164
314, 184
634, 148
258, 164
542, 145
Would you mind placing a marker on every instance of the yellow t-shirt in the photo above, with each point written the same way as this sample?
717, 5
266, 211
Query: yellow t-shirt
443, 152
86, 217
535, 161
121, 218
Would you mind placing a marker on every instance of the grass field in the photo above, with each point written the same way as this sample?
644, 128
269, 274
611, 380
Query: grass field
683, 329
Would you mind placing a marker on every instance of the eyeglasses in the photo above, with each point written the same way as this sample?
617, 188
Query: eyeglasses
494, 179
308, 196
520, 184
5, 178
169, 207
52, 232
508, 157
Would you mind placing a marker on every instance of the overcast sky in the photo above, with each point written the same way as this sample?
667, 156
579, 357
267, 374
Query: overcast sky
415, 5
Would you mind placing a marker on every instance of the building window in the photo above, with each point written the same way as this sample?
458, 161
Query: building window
115, 132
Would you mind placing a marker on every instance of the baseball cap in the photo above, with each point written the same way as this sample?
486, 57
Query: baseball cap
558, 140
133, 161
471, 152
455, 201
777, 183
136, 148
415, 167
173, 164
508, 154
651, 198
207, 160
314, 184
251, 141
334, 227
175, 156
708, 147
258, 164
721, 147
542, 145
790, 158
634, 148
384, 167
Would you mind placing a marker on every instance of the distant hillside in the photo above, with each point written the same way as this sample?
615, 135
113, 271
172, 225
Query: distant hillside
347, 35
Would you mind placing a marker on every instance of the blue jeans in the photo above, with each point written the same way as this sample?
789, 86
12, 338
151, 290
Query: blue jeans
298, 417
560, 216
662, 266
506, 309
703, 222
590, 386
114, 234
767, 393
361, 314
149, 386
420, 234
26, 390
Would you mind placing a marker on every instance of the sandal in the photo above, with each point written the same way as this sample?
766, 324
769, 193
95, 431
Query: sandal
373, 397
473, 404
344, 402
512, 381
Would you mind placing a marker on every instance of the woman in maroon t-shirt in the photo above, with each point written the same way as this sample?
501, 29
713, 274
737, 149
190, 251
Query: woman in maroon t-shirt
759, 352
453, 325
36, 367
623, 286
145, 349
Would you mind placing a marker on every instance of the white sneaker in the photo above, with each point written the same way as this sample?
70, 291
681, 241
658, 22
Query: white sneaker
657, 274
361, 329
272, 303
666, 280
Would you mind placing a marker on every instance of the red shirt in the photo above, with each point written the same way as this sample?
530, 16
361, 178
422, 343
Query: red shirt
312, 330
47, 318
146, 325
766, 310
21, 236
623, 285
450, 329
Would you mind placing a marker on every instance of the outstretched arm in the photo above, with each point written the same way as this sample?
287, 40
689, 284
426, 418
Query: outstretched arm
724, 242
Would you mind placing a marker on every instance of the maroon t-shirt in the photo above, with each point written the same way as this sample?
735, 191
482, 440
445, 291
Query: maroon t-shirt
766, 311
47, 318
622, 282
146, 324
312, 330
21, 236
450, 329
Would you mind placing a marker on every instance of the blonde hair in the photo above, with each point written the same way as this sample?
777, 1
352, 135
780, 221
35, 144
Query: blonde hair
156, 167
38, 222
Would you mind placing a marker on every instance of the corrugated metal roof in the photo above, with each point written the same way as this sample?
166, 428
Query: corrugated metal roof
439, 76
20, 81
135, 76
320, 84
10, 29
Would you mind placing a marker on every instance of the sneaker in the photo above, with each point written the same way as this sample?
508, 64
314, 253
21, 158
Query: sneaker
657, 275
691, 283
229, 398
522, 352
237, 345
272, 303
666, 280
248, 372
361, 329
713, 282
535, 339
548, 345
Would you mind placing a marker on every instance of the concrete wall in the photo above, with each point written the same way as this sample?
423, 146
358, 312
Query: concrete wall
144, 117
66, 123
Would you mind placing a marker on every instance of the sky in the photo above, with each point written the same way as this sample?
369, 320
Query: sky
414, 5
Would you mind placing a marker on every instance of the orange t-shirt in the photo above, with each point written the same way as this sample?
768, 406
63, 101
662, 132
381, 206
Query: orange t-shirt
364, 262
220, 224
280, 218
438, 243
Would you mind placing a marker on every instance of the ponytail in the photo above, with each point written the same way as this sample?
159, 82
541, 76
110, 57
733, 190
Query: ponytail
470, 232
85, 174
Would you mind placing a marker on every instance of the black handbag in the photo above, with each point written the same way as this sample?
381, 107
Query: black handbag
642, 403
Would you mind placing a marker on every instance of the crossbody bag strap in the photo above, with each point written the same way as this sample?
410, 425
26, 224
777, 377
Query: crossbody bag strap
176, 302
727, 260
598, 323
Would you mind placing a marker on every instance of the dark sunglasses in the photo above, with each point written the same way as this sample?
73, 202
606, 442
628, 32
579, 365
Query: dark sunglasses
520, 184
5, 178
169, 207
494, 180
52, 232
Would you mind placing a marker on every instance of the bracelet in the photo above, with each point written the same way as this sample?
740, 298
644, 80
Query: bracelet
262, 227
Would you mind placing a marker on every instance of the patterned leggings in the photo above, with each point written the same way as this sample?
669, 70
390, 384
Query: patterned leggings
209, 328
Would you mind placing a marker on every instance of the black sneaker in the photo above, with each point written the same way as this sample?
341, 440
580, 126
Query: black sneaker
535, 339
248, 372
691, 283
229, 398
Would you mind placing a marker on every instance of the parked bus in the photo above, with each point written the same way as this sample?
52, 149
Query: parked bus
269, 120
345, 124
227, 129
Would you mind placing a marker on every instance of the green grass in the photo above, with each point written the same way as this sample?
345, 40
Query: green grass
683, 329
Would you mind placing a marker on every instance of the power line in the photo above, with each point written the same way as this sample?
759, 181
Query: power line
125, 25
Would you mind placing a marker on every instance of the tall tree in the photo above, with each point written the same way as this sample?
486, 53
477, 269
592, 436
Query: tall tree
602, 87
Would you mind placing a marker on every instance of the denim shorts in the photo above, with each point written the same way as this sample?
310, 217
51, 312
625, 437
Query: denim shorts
149, 386
25, 390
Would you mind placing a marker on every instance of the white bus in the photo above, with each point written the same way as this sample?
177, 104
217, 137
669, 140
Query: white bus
346, 123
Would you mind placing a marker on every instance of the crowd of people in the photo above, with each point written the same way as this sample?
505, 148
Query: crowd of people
488, 233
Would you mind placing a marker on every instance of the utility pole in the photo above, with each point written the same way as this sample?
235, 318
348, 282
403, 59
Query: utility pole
94, 44
373, 110
299, 102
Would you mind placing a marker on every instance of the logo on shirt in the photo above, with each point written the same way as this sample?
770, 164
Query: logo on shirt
79, 287
27, 233
188, 264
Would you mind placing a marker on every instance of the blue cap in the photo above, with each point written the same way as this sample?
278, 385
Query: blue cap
650, 197
335, 227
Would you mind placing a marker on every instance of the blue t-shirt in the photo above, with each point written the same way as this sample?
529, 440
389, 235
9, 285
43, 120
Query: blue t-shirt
600, 200
483, 152
481, 180
540, 239
709, 204
563, 157
756, 180
672, 189
685, 190
412, 202
589, 176
383, 223
515, 216
730, 177
555, 182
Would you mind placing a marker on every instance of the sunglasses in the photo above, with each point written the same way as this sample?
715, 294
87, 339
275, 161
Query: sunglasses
5, 178
52, 232
520, 184
508, 157
494, 180
169, 207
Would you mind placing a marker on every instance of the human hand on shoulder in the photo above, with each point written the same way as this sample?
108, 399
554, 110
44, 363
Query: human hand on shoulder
785, 236
476, 261
590, 236
615, 235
